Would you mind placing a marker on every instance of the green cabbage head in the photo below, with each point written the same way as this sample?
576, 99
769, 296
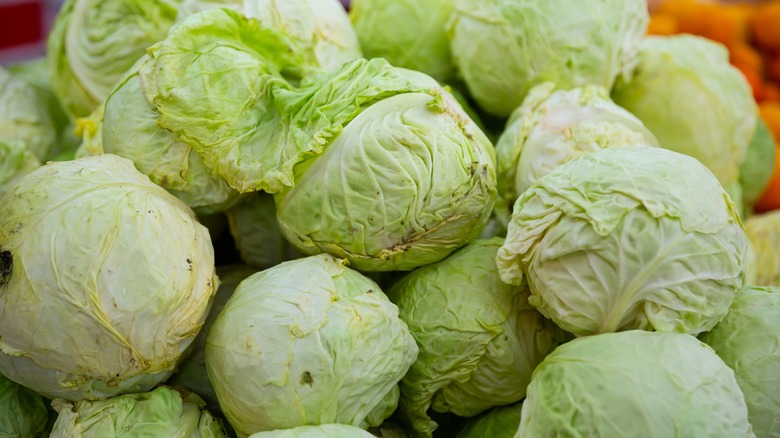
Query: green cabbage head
500, 422
627, 238
555, 126
502, 48
93, 246
479, 338
25, 116
322, 431
163, 412
23, 413
308, 341
93, 42
320, 27
404, 178
746, 340
407, 33
634, 384
694, 101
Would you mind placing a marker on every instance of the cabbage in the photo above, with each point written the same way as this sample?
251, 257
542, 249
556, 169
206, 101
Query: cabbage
627, 238
308, 341
634, 384
163, 412
502, 48
404, 179
554, 126
479, 338
694, 101
93, 42
407, 33
93, 246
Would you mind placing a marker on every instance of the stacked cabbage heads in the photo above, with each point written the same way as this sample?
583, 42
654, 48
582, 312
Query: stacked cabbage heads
398, 219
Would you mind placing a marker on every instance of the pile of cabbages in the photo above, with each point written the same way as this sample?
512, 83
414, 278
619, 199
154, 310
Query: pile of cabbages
438, 218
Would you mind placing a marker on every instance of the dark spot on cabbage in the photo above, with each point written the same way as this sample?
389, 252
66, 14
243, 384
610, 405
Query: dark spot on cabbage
306, 378
6, 266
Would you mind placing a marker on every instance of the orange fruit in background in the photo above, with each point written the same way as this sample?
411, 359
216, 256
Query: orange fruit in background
770, 200
662, 24
765, 25
771, 91
756, 82
773, 71
746, 57
770, 112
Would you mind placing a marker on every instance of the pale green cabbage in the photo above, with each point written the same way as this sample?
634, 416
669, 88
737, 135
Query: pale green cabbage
320, 27
93, 42
323, 431
308, 341
479, 338
555, 126
694, 101
501, 422
634, 384
405, 178
163, 412
256, 232
759, 165
23, 413
407, 33
502, 48
627, 238
763, 230
106, 279
746, 339
25, 116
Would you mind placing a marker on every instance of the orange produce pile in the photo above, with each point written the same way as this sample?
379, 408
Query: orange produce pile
752, 34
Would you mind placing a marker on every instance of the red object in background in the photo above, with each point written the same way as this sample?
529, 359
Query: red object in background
20, 23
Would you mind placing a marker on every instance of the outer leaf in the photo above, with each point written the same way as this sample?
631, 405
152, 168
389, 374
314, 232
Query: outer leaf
320, 27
